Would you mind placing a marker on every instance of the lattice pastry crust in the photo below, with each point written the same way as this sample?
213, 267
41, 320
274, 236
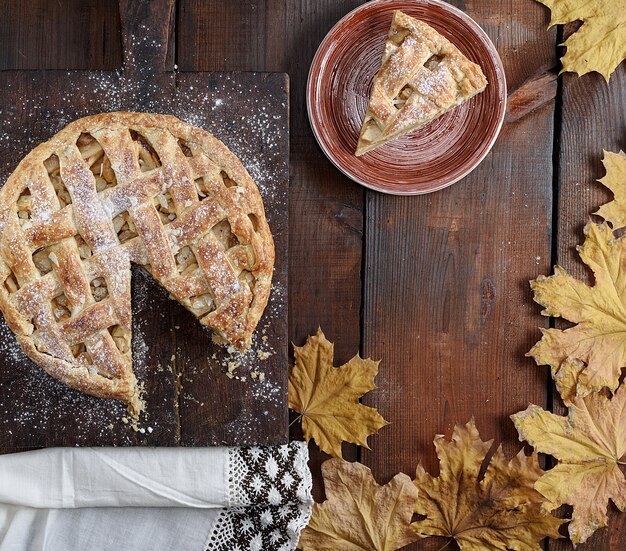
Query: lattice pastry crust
117, 188
422, 76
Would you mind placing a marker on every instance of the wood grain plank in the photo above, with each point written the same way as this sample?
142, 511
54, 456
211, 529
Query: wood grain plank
325, 272
446, 300
538, 90
73, 34
593, 119
146, 30
226, 36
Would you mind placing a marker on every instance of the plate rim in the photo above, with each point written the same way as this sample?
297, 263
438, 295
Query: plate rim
372, 5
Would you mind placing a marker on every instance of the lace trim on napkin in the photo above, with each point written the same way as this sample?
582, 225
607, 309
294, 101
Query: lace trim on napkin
270, 498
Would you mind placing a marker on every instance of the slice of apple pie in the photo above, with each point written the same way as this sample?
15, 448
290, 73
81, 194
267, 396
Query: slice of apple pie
422, 76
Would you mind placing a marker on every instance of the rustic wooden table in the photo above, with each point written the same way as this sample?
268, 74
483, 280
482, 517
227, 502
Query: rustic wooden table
435, 286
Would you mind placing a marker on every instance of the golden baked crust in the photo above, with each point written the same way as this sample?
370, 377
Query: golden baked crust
422, 76
117, 188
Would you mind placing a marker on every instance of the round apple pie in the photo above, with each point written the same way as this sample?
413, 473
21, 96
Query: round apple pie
117, 188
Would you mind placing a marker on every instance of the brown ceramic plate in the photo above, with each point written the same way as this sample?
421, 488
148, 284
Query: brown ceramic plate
429, 158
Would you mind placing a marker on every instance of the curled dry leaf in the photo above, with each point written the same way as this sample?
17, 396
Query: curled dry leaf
615, 179
589, 356
600, 44
500, 511
590, 445
358, 514
327, 397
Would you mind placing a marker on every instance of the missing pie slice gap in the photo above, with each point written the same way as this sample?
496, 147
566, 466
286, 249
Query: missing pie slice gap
422, 76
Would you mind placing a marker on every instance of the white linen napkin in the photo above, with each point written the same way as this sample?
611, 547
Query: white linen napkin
193, 499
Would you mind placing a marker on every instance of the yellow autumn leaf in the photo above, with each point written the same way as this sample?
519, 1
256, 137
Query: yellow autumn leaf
600, 44
358, 514
566, 378
590, 445
598, 340
499, 511
615, 179
327, 397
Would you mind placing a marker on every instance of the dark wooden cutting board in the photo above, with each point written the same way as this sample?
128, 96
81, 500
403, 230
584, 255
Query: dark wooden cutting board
190, 398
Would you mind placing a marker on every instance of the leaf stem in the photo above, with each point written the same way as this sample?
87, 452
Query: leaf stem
446, 545
296, 419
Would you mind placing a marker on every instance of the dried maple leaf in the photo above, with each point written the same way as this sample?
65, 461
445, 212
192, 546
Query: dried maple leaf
327, 397
599, 339
590, 445
615, 179
566, 378
358, 514
600, 44
500, 511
